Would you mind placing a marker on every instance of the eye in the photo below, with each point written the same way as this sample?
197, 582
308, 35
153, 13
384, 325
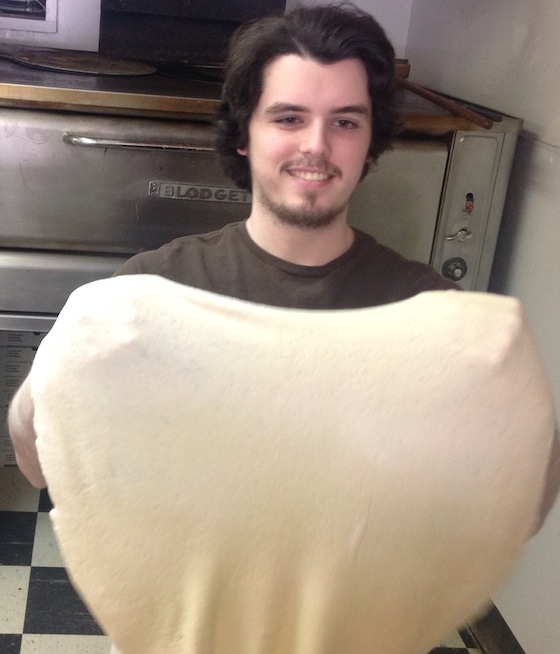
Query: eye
346, 123
288, 120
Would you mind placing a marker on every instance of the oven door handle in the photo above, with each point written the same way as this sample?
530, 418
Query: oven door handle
94, 142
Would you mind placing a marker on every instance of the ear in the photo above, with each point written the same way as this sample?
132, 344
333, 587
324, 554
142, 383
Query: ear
242, 151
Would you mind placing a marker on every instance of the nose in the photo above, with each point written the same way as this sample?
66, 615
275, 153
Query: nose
315, 139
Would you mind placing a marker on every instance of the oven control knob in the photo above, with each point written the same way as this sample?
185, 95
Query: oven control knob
454, 268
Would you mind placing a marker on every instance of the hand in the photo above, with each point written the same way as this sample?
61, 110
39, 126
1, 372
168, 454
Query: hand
22, 433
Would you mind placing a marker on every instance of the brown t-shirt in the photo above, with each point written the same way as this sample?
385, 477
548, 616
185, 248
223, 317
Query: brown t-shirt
230, 263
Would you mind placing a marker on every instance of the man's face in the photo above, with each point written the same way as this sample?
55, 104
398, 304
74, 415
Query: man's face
308, 139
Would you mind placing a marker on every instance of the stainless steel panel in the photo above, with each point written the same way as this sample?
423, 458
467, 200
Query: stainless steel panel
398, 201
86, 183
472, 174
472, 202
20, 323
35, 282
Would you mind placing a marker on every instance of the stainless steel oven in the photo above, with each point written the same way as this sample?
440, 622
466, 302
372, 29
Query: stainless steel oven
84, 187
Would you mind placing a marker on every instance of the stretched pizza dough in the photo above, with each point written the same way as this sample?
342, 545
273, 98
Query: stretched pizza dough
231, 478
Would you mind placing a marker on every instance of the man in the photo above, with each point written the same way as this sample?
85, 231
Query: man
308, 106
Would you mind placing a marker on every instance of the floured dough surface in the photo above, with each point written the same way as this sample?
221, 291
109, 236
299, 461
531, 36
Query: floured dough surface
230, 478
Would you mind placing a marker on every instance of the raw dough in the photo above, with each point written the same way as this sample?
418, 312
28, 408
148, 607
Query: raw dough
230, 478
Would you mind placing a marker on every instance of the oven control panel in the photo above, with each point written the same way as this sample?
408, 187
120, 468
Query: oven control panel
17, 351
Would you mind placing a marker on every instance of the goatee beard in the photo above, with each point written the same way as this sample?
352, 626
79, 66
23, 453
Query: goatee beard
303, 217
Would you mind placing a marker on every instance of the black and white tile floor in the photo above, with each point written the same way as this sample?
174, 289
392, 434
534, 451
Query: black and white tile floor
40, 613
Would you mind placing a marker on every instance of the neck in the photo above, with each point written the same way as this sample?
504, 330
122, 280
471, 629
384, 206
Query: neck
302, 246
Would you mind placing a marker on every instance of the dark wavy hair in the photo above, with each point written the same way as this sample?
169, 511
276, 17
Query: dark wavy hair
326, 34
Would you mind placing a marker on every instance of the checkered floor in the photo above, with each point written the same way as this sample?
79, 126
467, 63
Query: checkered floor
39, 611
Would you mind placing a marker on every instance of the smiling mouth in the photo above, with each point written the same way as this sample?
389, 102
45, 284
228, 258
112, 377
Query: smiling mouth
311, 176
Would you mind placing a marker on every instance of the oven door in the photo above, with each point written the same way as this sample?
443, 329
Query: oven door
82, 183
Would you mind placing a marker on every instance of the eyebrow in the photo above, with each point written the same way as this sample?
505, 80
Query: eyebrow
282, 107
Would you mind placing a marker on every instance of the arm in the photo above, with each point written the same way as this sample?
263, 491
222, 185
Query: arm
22, 433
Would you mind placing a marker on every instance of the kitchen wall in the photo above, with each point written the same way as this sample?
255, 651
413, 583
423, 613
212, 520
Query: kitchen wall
506, 54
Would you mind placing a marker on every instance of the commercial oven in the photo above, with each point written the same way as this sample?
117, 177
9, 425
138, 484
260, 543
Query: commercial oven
91, 175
